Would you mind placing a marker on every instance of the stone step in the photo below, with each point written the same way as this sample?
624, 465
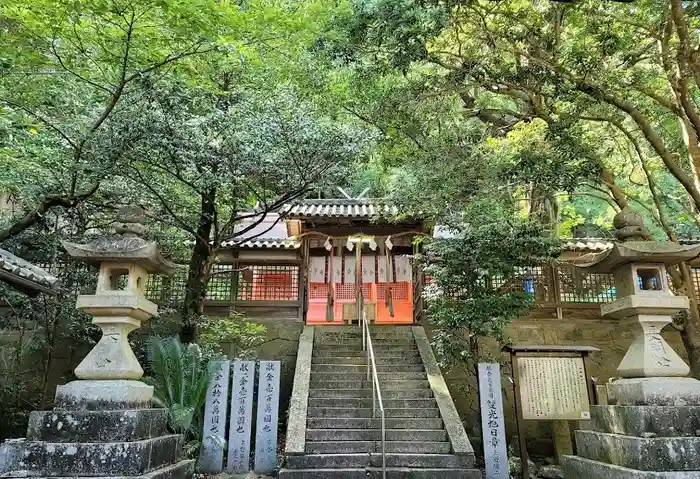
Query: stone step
326, 461
367, 403
361, 360
335, 350
579, 467
357, 336
415, 447
78, 459
340, 412
367, 393
381, 368
359, 376
385, 385
377, 473
180, 470
646, 454
96, 426
377, 345
371, 423
432, 435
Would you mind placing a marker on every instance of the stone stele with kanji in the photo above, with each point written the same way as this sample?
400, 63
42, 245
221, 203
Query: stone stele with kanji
103, 424
650, 429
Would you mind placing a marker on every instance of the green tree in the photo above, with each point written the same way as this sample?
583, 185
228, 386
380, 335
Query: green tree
595, 73
208, 161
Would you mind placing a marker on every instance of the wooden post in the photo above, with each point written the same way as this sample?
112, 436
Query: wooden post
561, 436
524, 469
303, 278
557, 291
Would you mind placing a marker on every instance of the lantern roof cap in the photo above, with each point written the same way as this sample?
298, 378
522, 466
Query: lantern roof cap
658, 252
126, 245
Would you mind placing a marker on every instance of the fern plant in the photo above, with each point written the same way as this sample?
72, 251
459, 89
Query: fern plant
180, 376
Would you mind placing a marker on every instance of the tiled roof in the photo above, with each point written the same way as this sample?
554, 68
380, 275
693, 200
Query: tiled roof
24, 275
362, 208
268, 243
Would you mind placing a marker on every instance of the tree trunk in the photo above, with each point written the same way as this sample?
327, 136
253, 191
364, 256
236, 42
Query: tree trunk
199, 270
690, 334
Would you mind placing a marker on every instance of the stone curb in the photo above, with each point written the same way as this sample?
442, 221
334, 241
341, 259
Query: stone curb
296, 422
453, 424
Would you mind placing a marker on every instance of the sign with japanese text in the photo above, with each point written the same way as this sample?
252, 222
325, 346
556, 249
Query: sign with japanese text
266, 421
492, 421
238, 459
214, 435
553, 388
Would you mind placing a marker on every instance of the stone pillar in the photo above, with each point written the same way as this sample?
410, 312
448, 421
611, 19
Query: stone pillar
651, 426
103, 424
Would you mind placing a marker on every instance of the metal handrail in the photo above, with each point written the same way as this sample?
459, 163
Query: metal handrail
372, 373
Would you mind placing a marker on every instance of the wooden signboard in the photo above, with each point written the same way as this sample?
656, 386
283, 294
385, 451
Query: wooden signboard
551, 384
553, 388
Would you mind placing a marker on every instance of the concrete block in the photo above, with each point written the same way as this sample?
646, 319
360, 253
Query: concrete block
103, 395
180, 470
89, 459
654, 392
647, 421
581, 468
645, 454
96, 426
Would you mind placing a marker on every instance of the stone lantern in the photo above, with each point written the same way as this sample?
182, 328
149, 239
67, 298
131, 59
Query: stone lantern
109, 372
653, 420
103, 424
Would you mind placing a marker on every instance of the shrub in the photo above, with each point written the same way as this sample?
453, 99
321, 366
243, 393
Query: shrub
180, 376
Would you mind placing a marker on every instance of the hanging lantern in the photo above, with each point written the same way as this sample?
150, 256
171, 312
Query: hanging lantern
328, 244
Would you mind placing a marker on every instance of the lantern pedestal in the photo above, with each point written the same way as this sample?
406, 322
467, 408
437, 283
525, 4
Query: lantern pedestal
102, 425
651, 428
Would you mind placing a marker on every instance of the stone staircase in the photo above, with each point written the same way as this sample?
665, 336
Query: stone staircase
343, 440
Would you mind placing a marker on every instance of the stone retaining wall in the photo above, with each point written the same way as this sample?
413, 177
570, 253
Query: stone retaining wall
607, 335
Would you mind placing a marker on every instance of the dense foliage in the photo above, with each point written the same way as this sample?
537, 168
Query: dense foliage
510, 123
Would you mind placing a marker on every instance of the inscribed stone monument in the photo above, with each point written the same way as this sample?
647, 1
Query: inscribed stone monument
492, 421
266, 420
241, 416
211, 459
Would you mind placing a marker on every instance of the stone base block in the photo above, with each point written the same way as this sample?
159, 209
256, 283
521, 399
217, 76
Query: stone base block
96, 426
52, 459
180, 470
654, 392
645, 454
105, 395
580, 468
647, 421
